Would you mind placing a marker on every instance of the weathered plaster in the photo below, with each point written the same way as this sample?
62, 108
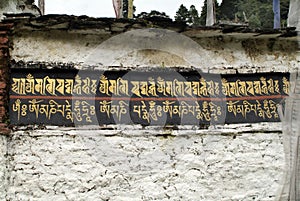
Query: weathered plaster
203, 49
3, 167
131, 163
237, 162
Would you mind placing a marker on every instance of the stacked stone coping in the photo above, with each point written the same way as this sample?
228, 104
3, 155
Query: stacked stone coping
212, 70
109, 27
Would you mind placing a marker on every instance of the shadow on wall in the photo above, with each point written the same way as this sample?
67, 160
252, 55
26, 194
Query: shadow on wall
150, 47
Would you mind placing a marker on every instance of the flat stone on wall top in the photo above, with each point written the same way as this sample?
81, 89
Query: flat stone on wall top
78, 38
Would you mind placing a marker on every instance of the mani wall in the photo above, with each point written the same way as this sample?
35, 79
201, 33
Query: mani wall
134, 162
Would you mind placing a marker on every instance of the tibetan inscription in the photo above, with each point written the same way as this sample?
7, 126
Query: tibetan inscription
71, 97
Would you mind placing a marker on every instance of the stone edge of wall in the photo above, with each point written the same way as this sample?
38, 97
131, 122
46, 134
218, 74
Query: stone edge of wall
5, 29
233, 130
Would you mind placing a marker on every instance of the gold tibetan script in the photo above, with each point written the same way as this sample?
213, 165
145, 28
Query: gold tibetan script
151, 87
146, 98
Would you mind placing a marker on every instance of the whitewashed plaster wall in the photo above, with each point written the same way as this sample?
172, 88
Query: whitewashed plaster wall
230, 163
204, 50
3, 167
243, 162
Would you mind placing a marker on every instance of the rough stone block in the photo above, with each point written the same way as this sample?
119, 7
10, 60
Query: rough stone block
3, 40
3, 85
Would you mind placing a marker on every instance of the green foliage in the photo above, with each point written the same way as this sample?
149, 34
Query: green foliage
228, 9
190, 16
254, 21
259, 13
193, 18
153, 13
182, 14
284, 6
203, 14
125, 8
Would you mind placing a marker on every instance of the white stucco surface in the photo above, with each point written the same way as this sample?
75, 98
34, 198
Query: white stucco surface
240, 162
156, 48
228, 163
3, 167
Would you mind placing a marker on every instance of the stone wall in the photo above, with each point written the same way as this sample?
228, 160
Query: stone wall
100, 43
231, 162
3, 167
241, 162
4, 77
